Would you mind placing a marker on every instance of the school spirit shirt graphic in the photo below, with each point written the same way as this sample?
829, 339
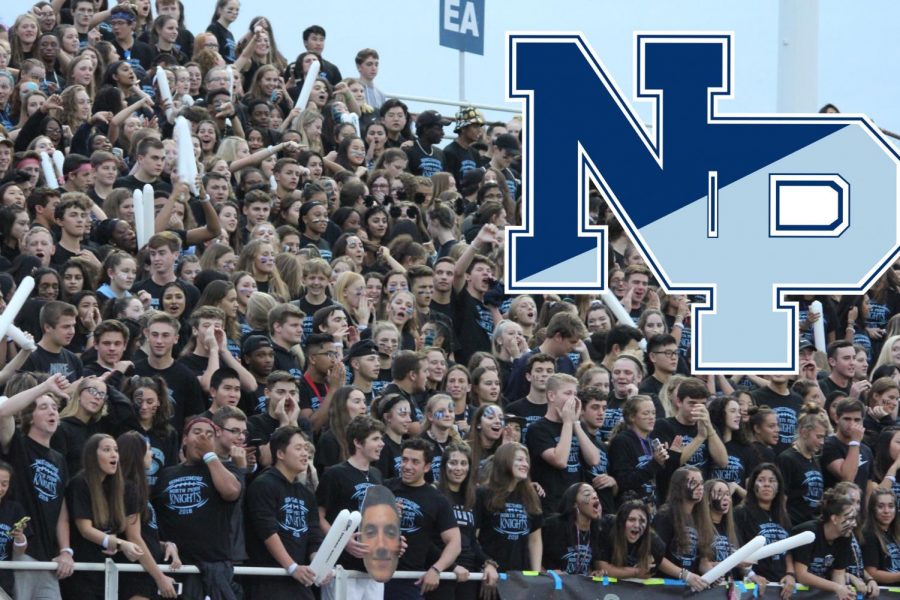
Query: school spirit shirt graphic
187, 494
512, 522
292, 516
411, 517
46, 480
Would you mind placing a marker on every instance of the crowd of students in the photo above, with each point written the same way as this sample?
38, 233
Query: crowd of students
328, 314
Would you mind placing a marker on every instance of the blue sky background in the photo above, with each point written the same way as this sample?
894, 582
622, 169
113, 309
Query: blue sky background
858, 43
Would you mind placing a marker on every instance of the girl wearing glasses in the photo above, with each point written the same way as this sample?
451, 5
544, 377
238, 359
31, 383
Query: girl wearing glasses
85, 414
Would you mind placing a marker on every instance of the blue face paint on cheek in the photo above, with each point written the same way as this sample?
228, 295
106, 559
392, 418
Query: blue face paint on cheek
439, 414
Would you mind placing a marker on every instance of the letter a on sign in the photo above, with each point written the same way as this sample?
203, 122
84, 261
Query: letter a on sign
743, 209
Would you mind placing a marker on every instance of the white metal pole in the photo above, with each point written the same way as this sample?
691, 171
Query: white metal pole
112, 580
462, 76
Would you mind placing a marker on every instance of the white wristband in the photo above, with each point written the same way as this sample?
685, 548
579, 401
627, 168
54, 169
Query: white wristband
105, 542
210, 457
293, 568
22, 545
891, 478
853, 443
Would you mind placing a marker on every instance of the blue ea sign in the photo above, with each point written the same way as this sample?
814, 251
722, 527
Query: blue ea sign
462, 25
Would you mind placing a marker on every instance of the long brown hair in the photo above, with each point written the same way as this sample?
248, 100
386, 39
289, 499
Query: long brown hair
467, 487
132, 449
707, 534
619, 540
338, 419
681, 520
107, 491
502, 478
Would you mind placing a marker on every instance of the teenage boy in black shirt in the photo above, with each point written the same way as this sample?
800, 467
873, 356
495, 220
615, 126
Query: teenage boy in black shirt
701, 445
844, 456
194, 502
286, 331
284, 519
565, 333
473, 276
185, 394
41, 478
151, 160
840, 360
258, 356
282, 402
534, 405
560, 450
425, 158
344, 486
365, 364
324, 375
210, 349
426, 520
410, 378
164, 248
57, 321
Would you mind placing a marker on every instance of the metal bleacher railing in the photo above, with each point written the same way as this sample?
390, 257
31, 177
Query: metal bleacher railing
112, 570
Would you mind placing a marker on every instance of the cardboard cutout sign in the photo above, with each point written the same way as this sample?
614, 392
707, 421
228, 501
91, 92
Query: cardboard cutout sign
380, 530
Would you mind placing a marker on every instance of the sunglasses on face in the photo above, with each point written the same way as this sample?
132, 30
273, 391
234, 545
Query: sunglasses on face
410, 212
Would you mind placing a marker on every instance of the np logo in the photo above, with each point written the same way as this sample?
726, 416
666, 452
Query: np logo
743, 209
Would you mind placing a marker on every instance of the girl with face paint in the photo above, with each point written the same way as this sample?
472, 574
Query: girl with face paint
633, 549
823, 563
439, 430
576, 546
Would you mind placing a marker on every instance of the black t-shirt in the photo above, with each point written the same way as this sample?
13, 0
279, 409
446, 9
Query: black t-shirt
471, 555
285, 360
195, 363
149, 524
631, 464
164, 448
682, 553
528, 409
669, 428
572, 554
286, 508
389, 459
328, 451
458, 160
310, 309
227, 45
786, 408
657, 551
423, 163
750, 522
10, 512
140, 56
803, 485
312, 393
834, 450
193, 514
131, 182
828, 385
44, 361
544, 435
503, 534
344, 486
473, 323
185, 394
78, 501
70, 438
606, 496
41, 478
874, 556
821, 557
741, 462
426, 514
